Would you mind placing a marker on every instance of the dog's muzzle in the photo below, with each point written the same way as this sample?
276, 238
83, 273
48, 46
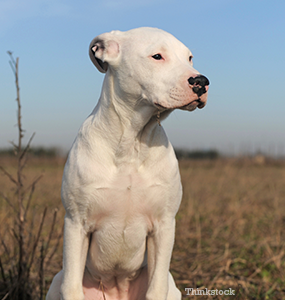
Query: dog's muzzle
199, 84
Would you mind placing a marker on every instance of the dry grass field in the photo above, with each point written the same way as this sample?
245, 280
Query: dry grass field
230, 227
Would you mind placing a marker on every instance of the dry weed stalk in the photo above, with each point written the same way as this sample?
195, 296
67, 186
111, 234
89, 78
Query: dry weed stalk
24, 255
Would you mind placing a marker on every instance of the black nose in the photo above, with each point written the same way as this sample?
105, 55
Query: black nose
199, 84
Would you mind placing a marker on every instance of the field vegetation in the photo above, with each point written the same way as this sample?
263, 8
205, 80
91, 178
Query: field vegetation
230, 226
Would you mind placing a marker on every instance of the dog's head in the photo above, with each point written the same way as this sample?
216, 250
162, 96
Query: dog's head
150, 65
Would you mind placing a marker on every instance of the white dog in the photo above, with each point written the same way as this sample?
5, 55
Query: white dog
121, 186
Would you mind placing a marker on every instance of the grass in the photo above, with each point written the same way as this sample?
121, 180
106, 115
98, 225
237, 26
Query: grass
39, 243
230, 227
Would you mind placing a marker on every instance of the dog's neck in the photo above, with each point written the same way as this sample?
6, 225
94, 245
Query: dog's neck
128, 126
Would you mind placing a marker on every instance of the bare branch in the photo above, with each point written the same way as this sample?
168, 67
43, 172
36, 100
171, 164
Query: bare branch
27, 146
11, 276
10, 53
3, 273
50, 233
15, 234
7, 252
6, 296
32, 221
41, 272
9, 202
9, 175
24, 236
55, 247
15, 148
33, 183
37, 240
12, 67
32, 187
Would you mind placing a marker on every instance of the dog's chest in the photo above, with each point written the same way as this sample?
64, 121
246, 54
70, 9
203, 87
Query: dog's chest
120, 217
128, 194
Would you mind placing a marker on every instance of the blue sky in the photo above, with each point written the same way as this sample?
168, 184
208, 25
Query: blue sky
239, 45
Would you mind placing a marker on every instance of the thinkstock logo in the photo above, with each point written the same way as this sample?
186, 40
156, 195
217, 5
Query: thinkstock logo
206, 292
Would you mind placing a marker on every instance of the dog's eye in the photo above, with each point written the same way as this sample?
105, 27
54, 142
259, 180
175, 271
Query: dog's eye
157, 56
190, 58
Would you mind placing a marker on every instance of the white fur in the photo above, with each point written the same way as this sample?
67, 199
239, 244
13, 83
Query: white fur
121, 186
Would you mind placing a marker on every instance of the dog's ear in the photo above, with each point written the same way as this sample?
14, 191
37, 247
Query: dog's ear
103, 50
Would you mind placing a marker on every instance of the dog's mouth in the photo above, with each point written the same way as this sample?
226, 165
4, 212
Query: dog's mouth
193, 105
190, 106
161, 107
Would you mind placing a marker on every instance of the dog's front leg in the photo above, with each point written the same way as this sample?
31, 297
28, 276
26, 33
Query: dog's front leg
159, 249
75, 249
